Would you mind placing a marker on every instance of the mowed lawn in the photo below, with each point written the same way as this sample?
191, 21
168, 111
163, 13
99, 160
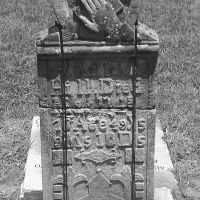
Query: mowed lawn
177, 23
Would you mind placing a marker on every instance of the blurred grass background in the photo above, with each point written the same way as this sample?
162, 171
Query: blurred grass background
177, 23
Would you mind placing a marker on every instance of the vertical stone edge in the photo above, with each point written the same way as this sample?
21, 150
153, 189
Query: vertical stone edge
47, 181
152, 60
150, 153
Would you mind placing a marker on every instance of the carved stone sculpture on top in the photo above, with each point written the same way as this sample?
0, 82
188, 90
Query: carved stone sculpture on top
93, 20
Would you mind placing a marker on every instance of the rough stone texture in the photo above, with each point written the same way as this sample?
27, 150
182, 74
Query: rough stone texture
150, 153
97, 82
32, 187
46, 134
110, 118
99, 143
94, 20
32, 184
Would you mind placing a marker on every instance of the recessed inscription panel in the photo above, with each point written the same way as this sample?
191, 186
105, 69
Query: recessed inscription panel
99, 151
95, 83
96, 143
93, 128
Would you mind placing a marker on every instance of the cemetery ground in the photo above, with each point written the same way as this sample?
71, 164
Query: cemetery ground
177, 23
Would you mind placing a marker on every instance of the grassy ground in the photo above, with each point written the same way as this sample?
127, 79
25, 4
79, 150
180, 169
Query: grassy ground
20, 21
178, 25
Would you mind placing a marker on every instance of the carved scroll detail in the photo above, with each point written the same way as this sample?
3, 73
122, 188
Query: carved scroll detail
97, 156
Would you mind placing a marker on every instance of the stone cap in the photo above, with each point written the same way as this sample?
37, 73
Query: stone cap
83, 48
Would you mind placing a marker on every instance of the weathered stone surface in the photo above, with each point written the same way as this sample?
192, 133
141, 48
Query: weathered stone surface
47, 171
99, 143
32, 183
162, 168
97, 82
150, 154
95, 20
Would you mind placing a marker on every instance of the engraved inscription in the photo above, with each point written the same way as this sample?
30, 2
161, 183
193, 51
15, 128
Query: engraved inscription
93, 93
125, 138
99, 140
95, 128
57, 142
141, 124
141, 141
95, 84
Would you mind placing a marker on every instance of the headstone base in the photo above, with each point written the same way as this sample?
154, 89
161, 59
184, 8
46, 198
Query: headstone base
31, 188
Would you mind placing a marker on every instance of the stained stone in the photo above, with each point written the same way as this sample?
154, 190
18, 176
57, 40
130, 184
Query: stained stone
113, 157
99, 124
96, 82
98, 135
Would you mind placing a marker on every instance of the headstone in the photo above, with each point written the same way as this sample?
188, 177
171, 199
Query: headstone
98, 115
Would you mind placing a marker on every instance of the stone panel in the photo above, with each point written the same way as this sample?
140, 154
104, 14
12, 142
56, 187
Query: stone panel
150, 153
99, 143
100, 150
94, 83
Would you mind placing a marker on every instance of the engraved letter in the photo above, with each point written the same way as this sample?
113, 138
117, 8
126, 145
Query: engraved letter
110, 139
125, 138
118, 88
56, 85
106, 85
67, 87
100, 140
113, 125
70, 143
141, 124
130, 101
87, 141
122, 124
87, 86
138, 85
125, 88
91, 124
80, 89
102, 125
141, 141
57, 142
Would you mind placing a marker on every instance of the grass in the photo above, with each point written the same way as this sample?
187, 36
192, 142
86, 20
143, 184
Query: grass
20, 21
177, 23
178, 71
14, 146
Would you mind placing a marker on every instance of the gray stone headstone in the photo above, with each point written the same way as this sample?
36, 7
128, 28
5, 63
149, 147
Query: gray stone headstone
99, 143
